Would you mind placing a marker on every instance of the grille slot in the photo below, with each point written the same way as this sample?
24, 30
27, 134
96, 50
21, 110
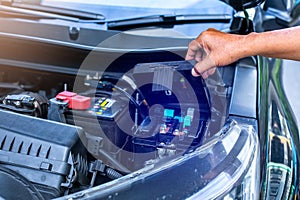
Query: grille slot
17, 144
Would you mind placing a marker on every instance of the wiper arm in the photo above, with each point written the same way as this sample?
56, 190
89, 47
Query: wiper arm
43, 11
167, 21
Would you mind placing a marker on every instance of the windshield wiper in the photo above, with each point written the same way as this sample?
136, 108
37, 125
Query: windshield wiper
43, 11
167, 21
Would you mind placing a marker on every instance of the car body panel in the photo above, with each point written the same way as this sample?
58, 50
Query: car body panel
277, 120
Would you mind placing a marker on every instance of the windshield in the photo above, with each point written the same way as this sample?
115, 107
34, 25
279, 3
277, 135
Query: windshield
120, 10
176, 4
134, 8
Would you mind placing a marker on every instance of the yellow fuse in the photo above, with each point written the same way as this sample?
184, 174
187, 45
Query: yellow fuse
103, 103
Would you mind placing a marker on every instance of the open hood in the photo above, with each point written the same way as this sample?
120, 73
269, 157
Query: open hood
239, 5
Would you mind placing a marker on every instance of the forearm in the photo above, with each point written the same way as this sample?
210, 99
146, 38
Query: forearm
213, 48
283, 44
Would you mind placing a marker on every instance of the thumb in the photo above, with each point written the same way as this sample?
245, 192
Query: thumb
203, 66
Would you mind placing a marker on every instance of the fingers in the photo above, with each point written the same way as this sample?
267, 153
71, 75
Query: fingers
193, 51
204, 74
209, 72
204, 68
195, 72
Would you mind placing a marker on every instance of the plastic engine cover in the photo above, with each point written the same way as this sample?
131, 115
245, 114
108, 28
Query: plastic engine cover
41, 151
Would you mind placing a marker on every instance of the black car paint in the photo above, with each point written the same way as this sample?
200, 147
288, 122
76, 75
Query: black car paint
275, 117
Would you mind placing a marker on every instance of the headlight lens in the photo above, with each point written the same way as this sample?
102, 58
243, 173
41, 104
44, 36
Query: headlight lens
234, 165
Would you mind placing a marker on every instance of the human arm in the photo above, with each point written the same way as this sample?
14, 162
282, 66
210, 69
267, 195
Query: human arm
213, 48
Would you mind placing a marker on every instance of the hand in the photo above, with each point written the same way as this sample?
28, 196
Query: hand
213, 48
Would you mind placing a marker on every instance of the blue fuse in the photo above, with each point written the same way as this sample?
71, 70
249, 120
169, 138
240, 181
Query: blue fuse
187, 122
169, 113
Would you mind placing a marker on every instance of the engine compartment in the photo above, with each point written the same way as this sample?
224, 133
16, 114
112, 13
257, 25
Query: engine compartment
120, 122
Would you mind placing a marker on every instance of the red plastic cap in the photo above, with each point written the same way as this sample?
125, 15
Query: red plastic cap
76, 102
80, 102
65, 96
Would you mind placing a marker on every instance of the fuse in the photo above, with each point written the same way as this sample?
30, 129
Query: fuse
187, 121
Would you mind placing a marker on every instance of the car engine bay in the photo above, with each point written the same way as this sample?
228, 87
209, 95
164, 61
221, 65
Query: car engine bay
61, 142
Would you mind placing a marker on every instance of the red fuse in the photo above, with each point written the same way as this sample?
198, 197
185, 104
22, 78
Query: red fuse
75, 101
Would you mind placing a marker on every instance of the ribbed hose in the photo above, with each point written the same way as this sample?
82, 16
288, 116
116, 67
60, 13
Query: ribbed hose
113, 174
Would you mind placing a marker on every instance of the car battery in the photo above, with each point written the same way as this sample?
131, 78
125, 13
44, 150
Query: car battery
100, 121
46, 153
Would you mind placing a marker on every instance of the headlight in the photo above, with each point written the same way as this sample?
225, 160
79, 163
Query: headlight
234, 165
